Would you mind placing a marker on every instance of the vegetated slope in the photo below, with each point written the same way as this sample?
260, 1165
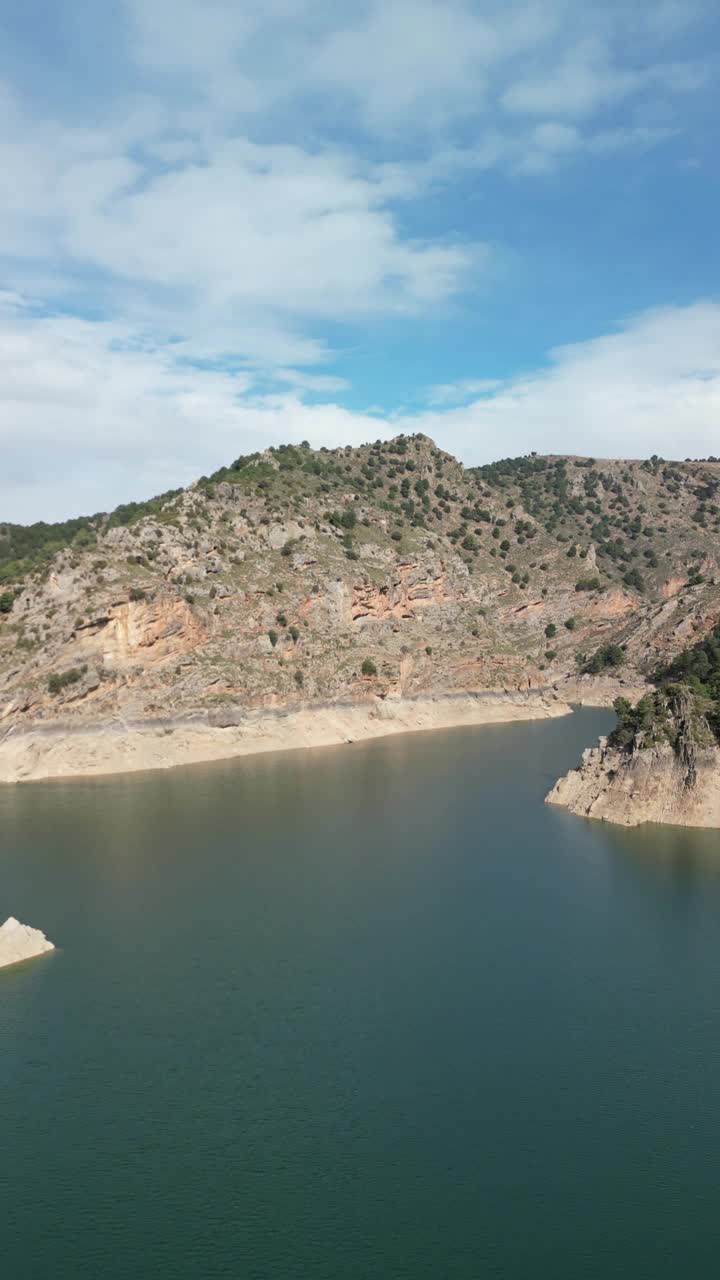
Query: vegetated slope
683, 708
311, 576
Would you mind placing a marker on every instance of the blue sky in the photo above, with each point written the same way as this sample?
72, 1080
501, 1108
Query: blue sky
225, 226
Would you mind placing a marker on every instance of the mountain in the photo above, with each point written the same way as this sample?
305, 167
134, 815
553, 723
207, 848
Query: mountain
296, 578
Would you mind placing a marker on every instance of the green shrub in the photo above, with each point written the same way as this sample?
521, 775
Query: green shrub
368, 667
60, 680
606, 657
550, 630
633, 578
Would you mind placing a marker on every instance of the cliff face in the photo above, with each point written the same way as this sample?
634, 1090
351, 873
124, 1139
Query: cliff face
675, 784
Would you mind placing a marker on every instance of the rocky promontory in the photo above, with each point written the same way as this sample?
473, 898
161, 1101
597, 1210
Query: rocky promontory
19, 942
653, 784
661, 763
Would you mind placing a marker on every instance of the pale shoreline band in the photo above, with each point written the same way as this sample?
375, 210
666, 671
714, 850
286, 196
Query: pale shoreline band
40, 753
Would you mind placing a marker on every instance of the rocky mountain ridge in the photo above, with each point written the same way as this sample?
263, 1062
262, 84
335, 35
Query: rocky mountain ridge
296, 578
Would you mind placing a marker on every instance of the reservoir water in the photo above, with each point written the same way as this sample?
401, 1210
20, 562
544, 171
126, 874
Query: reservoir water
365, 1013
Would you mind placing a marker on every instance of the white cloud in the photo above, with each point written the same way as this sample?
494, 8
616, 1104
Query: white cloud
580, 82
229, 206
270, 227
419, 63
108, 417
273, 229
164, 211
652, 387
320, 383
454, 392
106, 414
411, 65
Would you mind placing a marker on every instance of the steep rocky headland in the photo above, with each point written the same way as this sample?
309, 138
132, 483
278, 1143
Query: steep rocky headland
360, 590
662, 761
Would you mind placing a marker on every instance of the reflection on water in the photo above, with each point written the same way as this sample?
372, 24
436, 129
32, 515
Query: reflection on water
682, 853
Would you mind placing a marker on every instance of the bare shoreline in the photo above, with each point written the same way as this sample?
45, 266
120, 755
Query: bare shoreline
66, 751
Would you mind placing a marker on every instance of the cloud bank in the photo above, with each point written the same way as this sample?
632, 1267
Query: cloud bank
106, 420
207, 206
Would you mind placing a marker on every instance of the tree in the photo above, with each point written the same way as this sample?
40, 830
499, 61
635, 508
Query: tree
608, 655
633, 578
368, 667
7, 600
550, 630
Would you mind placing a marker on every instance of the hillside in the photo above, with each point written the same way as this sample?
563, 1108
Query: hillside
298, 577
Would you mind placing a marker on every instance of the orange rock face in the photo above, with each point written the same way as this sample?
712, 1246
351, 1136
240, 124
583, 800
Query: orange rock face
149, 631
612, 604
407, 593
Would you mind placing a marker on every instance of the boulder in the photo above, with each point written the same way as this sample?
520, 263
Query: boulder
20, 942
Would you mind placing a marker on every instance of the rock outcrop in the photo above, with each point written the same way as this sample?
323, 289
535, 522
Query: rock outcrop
653, 784
19, 942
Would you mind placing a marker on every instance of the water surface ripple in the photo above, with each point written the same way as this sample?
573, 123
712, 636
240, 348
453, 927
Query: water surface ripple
358, 1013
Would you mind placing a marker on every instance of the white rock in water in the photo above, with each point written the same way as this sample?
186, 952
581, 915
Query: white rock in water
20, 942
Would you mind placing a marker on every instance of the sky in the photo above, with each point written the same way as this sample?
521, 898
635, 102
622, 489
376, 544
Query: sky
225, 226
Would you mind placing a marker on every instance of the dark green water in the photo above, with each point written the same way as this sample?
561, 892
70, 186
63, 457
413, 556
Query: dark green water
370, 1012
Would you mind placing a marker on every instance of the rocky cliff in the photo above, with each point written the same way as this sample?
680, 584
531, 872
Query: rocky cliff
661, 763
649, 785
